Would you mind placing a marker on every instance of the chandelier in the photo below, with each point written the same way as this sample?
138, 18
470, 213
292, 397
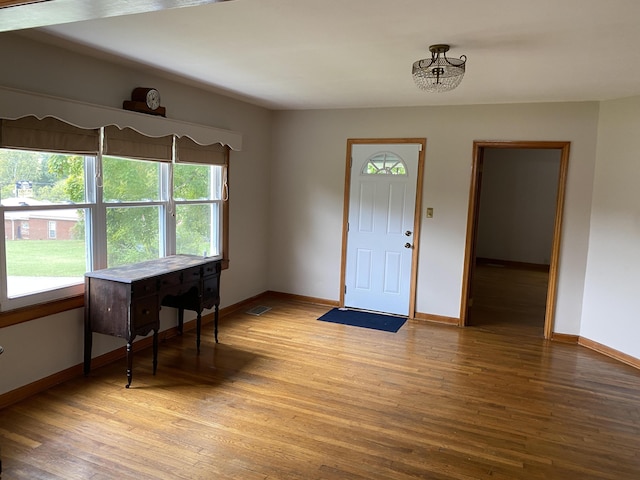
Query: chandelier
439, 73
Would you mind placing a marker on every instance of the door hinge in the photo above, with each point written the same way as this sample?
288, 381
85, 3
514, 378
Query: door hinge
345, 289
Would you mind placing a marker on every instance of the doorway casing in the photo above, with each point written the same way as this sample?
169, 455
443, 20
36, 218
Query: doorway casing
472, 223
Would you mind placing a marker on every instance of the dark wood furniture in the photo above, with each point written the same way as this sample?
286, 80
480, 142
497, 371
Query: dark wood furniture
125, 301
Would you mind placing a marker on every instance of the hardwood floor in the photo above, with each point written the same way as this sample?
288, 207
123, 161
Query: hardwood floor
284, 396
509, 300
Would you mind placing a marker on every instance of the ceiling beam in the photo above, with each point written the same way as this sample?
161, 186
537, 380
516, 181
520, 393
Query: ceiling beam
21, 14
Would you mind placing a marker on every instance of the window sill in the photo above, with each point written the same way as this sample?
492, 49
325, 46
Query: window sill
24, 314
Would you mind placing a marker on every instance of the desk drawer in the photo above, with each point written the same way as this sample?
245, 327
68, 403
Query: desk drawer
212, 268
170, 280
144, 314
179, 283
211, 290
143, 288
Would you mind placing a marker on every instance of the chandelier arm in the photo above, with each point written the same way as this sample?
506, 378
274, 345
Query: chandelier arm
463, 59
439, 74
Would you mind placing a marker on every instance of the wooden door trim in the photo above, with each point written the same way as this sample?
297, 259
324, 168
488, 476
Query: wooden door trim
416, 220
474, 191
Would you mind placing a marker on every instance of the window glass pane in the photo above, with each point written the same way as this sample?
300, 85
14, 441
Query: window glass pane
197, 229
385, 163
35, 262
132, 234
126, 180
37, 178
196, 182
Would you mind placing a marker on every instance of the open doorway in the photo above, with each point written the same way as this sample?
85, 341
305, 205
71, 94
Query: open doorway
513, 236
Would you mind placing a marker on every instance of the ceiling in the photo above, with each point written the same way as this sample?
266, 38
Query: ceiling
304, 54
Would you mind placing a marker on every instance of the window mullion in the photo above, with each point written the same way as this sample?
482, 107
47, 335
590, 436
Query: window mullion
168, 211
97, 225
3, 262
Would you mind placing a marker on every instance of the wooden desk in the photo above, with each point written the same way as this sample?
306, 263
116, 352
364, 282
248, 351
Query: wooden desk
125, 301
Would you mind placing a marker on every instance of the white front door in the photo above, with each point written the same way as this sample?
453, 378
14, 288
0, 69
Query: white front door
380, 233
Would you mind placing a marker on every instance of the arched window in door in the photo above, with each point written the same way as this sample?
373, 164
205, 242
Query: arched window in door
384, 163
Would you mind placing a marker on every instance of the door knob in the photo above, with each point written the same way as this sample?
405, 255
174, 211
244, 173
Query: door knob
408, 233
407, 245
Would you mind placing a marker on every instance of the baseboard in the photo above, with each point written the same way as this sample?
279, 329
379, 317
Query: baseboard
428, 317
334, 303
38, 386
610, 352
513, 264
242, 305
302, 298
565, 338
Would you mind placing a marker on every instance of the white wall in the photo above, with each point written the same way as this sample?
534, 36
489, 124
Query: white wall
612, 284
38, 348
518, 204
307, 190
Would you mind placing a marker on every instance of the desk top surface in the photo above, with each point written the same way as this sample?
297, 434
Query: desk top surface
149, 269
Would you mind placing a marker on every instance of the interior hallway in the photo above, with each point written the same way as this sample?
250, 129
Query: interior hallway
509, 299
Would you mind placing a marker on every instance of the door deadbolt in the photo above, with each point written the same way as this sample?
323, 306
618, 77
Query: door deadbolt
408, 233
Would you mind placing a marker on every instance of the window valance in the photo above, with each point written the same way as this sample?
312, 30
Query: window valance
49, 135
53, 135
15, 104
129, 143
187, 151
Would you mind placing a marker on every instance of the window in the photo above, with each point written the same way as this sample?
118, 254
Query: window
385, 163
133, 210
198, 201
35, 193
66, 213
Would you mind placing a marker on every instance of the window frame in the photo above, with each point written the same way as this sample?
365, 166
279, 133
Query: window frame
96, 249
43, 299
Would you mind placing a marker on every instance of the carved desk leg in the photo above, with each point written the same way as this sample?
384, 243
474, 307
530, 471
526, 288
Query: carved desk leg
215, 323
198, 330
155, 350
129, 361
180, 320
